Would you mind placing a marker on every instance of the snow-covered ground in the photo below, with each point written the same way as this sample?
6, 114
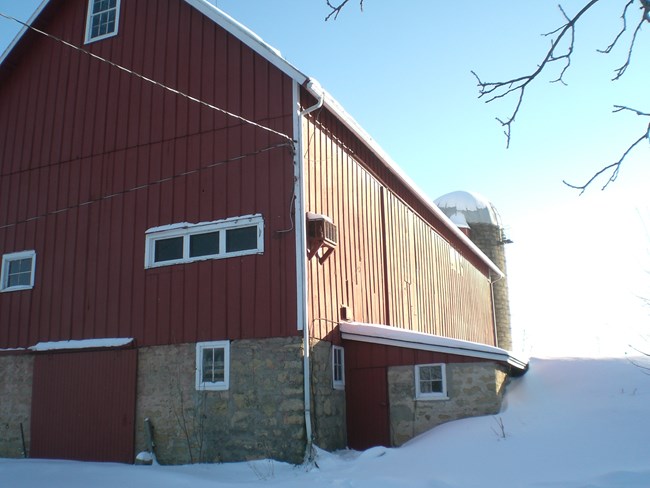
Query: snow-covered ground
567, 423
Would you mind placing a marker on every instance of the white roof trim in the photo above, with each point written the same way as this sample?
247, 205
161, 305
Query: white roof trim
393, 336
22, 31
248, 37
274, 56
81, 344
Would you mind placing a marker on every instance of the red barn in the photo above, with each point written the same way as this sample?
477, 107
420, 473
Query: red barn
195, 234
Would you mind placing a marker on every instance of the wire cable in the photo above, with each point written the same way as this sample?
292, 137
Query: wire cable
148, 80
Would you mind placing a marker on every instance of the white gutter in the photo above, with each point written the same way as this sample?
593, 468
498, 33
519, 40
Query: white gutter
301, 246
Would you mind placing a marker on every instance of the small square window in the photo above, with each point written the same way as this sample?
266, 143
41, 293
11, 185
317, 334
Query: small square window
338, 368
212, 365
18, 271
430, 382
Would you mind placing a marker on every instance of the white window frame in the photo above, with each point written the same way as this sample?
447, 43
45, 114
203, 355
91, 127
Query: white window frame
340, 383
4, 272
89, 22
419, 395
185, 230
217, 385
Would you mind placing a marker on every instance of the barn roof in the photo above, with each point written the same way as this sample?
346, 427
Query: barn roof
393, 336
257, 44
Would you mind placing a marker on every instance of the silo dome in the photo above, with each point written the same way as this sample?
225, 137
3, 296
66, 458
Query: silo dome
474, 207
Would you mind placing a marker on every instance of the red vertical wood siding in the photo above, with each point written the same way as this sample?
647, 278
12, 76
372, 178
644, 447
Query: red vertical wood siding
360, 355
78, 136
83, 406
395, 262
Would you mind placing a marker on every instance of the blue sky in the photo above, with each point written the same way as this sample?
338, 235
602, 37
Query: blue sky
403, 70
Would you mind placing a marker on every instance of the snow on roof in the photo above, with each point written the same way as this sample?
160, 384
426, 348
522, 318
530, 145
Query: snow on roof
82, 344
475, 207
460, 220
393, 336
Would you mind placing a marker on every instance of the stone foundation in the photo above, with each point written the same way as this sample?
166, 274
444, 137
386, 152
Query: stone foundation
261, 415
473, 389
328, 404
16, 373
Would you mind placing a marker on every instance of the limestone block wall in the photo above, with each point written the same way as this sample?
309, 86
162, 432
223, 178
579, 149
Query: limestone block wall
261, 415
16, 373
328, 404
473, 389
489, 239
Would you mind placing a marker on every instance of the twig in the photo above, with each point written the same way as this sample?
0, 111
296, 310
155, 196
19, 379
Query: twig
336, 9
494, 90
614, 168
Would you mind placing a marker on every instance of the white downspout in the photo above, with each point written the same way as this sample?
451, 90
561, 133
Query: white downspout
301, 246
494, 310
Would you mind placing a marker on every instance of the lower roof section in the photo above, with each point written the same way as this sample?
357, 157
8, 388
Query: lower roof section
393, 336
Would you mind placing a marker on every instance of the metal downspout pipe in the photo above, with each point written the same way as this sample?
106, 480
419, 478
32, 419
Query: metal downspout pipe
301, 251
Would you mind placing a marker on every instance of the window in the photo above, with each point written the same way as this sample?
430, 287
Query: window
18, 271
212, 365
103, 16
430, 382
338, 368
184, 243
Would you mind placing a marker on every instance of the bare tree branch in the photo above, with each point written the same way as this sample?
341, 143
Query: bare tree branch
621, 71
336, 9
609, 48
494, 90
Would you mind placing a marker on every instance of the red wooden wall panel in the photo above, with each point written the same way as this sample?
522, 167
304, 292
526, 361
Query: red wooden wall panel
392, 264
77, 136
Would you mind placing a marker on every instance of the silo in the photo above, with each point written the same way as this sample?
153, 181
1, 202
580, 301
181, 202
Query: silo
480, 221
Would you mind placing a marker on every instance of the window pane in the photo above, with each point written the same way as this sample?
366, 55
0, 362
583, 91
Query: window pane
213, 365
242, 239
425, 373
431, 380
204, 244
20, 272
168, 249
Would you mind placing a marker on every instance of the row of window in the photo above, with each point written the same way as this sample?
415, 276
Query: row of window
184, 243
176, 244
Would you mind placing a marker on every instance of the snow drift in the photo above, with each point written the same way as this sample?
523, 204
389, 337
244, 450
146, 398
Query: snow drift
567, 423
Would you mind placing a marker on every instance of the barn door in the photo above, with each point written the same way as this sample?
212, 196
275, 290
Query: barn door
367, 408
83, 406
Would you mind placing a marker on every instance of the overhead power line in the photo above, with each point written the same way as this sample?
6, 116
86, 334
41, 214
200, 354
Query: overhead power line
147, 185
147, 79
